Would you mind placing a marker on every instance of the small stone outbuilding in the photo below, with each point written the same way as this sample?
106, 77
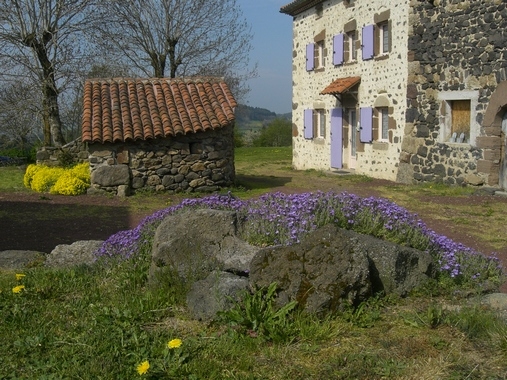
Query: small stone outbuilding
161, 134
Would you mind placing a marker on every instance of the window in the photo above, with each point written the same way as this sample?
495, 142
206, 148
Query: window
319, 123
457, 117
319, 54
350, 46
384, 38
383, 115
351, 117
460, 126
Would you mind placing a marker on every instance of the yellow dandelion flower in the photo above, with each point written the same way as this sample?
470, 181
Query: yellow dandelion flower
175, 343
18, 289
19, 276
143, 367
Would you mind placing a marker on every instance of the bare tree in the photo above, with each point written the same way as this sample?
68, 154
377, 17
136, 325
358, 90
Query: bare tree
181, 37
42, 40
19, 114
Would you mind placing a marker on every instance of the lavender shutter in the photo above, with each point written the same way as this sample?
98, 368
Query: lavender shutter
338, 49
368, 42
310, 54
366, 122
308, 124
336, 137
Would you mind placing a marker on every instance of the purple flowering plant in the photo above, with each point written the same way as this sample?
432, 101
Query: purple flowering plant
278, 218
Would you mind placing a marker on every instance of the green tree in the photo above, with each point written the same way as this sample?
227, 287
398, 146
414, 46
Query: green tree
277, 133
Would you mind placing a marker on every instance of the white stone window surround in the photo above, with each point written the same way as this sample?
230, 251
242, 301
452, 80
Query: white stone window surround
445, 118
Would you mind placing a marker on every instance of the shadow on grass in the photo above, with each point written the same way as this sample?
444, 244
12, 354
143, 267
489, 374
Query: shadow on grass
257, 182
40, 227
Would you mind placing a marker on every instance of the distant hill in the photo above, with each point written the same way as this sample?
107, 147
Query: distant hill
254, 118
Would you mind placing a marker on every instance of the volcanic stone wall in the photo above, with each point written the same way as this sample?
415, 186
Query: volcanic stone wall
200, 162
457, 46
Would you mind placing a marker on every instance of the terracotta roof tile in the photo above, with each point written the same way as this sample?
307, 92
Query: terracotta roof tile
341, 85
118, 110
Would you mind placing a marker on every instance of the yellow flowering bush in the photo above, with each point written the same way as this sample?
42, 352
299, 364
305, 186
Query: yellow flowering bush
30, 172
56, 180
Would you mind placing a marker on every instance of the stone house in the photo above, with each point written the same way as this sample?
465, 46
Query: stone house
409, 91
161, 134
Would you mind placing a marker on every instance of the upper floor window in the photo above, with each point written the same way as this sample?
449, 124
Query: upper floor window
384, 38
376, 38
319, 59
316, 52
350, 46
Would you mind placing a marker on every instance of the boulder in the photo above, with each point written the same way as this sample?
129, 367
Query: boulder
194, 243
111, 175
332, 266
215, 293
394, 269
78, 253
323, 272
19, 259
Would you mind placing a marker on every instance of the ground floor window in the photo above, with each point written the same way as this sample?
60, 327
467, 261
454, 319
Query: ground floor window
319, 123
457, 117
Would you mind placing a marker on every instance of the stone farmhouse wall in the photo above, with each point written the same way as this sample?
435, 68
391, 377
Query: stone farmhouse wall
383, 82
200, 162
457, 50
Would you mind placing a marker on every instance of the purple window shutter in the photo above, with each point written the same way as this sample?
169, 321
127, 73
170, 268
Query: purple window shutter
338, 49
337, 138
310, 52
366, 129
367, 39
308, 124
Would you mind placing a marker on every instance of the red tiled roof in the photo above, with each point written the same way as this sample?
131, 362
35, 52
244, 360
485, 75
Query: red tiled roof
120, 109
341, 85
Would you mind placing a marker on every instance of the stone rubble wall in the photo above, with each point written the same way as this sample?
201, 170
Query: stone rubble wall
453, 46
53, 156
200, 162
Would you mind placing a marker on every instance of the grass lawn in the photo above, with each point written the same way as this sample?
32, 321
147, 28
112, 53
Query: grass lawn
107, 322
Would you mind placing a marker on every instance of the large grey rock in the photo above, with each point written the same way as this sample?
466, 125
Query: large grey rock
19, 259
111, 175
323, 272
194, 243
332, 266
215, 293
68, 255
394, 269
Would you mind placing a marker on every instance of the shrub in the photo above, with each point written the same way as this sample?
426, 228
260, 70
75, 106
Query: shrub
45, 178
56, 180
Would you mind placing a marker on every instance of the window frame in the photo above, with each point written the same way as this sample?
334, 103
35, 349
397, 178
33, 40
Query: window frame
319, 123
319, 55
446, 116
383, 124
352, 123
384, 38
350, 51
